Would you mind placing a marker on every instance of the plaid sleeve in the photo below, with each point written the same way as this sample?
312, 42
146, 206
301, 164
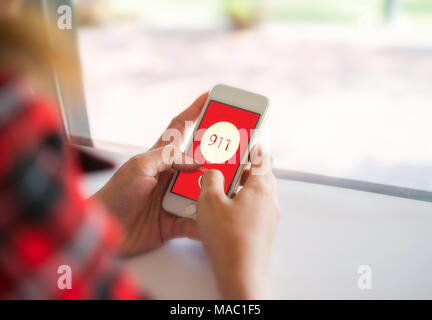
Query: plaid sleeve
45, 222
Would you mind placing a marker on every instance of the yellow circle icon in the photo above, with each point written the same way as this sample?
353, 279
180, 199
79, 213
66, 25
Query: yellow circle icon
220, 142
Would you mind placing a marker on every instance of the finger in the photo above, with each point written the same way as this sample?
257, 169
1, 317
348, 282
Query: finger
244, 177
164, 158
175, 132
185, 227
260, 177
213, 183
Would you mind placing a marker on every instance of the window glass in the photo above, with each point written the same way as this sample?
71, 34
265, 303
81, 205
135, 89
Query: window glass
349, 81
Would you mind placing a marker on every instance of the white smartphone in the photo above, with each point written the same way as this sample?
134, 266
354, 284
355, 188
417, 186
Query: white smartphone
225, 130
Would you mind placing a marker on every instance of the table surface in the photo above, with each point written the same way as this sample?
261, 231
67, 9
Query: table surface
325, 234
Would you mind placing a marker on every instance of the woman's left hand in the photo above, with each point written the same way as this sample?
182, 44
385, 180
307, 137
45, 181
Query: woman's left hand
134, 193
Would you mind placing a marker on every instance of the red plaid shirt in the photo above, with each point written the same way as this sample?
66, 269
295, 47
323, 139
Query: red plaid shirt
45, 221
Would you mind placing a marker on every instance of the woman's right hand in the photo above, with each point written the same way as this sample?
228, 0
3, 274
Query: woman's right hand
237, 233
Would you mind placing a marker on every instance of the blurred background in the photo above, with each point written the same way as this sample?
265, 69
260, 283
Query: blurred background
350, 82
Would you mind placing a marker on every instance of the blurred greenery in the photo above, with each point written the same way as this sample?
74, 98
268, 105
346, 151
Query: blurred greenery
334, 11
419, 10
321, 11
244, 13
241, 8
308, 11
347, 11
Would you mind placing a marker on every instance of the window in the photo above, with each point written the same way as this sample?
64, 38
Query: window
349, 81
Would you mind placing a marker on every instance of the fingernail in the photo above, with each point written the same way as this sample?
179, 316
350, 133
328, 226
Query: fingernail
199, 161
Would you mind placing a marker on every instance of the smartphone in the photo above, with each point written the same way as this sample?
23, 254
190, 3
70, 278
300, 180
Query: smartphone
221, 139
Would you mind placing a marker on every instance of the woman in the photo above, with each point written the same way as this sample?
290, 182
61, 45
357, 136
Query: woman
45, 222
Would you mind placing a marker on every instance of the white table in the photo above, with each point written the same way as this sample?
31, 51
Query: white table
325, 234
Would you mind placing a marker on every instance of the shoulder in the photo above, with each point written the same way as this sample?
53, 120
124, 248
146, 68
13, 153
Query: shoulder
26, 122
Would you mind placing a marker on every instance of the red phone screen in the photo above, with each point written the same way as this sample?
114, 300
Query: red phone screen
220, 141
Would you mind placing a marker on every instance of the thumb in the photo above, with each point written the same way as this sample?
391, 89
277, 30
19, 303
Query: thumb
162, 159
213, 182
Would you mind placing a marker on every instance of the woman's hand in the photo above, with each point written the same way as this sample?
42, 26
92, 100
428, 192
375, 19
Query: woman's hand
238, 233
134, 194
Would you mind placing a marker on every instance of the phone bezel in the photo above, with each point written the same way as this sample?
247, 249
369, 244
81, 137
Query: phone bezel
243, 99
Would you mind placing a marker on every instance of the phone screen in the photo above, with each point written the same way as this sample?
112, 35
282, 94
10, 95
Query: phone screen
220, 141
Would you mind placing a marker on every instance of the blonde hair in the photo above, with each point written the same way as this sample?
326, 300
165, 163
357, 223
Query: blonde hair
29, 48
